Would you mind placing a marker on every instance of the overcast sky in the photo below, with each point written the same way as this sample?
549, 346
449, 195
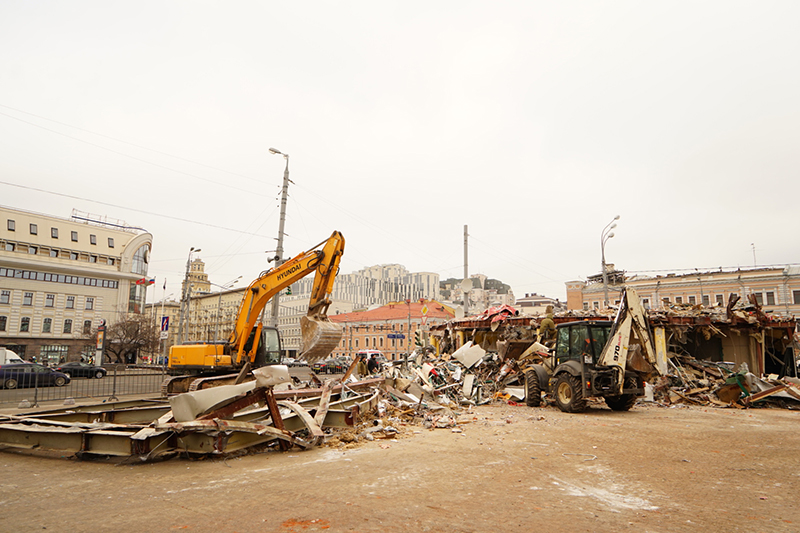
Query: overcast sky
534, 123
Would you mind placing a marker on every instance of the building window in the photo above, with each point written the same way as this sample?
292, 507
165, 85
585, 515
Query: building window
720, 299
596, 305
93, 259
92, 239
5, 297
87, 327
34, 229
89, 304
47, 325
585, 306
646, 303
679, 299
73, 256
53, 253
12, 226
706, 300
770, 298
796, 297
54, 233
50, 300
9, 247
27, 299
74, 236
759, 298
68, 325
32, 250
110, 261
3, 322
70, 302
692, 300
25, 324
110, 242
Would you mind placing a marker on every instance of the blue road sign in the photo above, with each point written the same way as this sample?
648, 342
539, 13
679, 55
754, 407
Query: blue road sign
164, 323
396, 336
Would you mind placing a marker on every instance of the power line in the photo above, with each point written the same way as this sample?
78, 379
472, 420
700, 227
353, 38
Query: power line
130, 143
248, 191
73, 197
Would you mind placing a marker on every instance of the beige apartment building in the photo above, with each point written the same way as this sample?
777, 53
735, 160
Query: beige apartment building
60, 277
777, 289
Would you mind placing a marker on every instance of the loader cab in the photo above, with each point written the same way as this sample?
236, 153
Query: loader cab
581, 341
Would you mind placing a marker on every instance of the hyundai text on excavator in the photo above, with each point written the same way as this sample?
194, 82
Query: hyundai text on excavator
253, 344
596, 358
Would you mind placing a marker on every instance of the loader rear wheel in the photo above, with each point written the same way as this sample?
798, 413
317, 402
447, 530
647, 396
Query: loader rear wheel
533, 392
569, 394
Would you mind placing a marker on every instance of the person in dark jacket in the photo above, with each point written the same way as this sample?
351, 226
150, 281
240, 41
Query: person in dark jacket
372, 365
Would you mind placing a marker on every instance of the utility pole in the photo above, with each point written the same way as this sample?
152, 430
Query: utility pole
279, 251
466, 272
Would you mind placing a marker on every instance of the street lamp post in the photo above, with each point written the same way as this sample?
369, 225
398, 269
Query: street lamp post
219, 302
185, 295
604, 236
279, 251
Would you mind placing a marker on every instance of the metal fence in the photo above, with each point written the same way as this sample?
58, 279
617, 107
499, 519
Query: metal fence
120, 381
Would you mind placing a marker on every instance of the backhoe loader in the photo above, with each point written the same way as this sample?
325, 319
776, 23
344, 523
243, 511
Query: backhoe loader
596, 358
255, 345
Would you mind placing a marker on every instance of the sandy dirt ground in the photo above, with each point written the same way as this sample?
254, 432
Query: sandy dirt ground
511, 469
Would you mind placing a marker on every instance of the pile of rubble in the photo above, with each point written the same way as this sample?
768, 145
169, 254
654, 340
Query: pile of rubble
697, 382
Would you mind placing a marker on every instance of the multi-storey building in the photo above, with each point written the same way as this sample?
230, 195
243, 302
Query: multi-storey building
59, 277
485, 292
379, 329
537, 304
777, 289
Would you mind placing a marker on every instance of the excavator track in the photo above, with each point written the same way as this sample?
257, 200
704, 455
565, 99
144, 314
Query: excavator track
319, 337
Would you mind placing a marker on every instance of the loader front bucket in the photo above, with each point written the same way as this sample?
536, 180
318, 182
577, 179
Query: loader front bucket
319, 337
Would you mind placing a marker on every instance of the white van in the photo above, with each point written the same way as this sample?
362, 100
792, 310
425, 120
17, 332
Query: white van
8, 357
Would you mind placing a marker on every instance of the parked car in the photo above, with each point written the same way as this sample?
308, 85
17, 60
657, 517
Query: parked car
79, 369
29, 375
332, 365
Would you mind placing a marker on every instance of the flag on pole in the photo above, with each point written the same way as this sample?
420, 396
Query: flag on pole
151, 281
165, 283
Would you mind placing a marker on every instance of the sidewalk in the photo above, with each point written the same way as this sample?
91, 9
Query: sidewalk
52, 405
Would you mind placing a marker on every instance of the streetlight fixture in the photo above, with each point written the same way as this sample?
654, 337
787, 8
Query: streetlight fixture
219, 302
185, 295
279, 251
604, 236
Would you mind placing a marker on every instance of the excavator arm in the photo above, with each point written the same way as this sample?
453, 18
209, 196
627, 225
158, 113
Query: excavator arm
317, 332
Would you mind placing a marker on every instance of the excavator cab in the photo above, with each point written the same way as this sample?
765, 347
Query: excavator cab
268, 351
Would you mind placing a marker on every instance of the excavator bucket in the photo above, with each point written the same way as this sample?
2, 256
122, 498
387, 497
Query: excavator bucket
319, 337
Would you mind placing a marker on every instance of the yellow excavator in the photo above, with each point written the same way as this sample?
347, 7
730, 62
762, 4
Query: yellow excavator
253, 344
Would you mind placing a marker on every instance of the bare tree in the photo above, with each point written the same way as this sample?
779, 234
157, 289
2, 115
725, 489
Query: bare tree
128, 336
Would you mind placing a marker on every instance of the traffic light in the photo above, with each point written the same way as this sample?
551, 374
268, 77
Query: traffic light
289, 290
418, 338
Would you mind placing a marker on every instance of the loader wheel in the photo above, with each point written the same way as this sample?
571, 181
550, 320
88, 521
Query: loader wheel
533, 392
623, 402
569, 394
